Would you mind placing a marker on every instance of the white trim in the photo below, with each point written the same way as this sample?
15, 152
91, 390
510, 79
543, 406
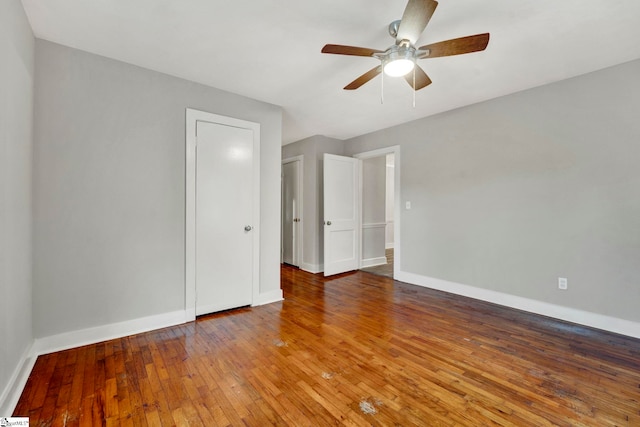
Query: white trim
300, 235
387, 244
293, 159
372, 262
11, 394
594, 320
97, 334
13, 389
311, 268
192, 117
374, 225
101, 333
395, 150
269, 297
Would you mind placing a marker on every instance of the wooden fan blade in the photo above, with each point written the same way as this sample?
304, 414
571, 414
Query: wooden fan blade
415, 19
349, 50
364, 78
457, 46
422, 80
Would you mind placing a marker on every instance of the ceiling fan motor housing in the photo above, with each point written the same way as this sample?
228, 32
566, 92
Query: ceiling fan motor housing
397, 52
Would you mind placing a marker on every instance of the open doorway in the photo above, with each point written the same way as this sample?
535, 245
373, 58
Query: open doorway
377, 214
291, 214
380, 201
351, 241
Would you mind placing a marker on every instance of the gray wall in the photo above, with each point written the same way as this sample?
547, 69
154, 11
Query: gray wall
313, 149
16, 123
109, 183
374, 174
510, 194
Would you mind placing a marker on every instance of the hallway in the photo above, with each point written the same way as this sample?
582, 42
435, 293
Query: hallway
385, 270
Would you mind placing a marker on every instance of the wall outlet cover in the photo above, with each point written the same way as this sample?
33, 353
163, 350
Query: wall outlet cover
563, 283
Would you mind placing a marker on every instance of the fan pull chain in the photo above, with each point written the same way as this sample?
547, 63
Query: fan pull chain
414, 87
382, 89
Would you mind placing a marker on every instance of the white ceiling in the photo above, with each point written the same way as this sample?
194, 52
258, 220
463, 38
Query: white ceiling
270, 50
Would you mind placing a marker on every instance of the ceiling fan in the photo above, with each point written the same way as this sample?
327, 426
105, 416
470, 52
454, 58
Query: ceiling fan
400, 58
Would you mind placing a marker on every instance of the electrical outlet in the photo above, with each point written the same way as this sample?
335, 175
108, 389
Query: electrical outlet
563, 283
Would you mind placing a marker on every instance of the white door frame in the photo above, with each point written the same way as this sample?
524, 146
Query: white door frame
299, 234
395, 149
192, 118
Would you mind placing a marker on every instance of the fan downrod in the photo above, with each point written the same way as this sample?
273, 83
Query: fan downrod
393, 28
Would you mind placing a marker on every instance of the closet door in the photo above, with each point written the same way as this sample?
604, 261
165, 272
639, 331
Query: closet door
224, 217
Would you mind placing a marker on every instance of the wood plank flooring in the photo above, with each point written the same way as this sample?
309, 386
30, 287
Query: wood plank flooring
384, 269
355, 350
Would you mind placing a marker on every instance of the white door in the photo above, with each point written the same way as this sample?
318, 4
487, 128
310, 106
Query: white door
224, 216
291, 216
341, 214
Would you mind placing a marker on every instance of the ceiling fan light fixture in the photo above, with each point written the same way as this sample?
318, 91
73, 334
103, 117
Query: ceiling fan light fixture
398, 67
398, 61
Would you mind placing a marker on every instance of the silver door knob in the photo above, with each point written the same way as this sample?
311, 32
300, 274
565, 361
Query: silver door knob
328, 222
247, 228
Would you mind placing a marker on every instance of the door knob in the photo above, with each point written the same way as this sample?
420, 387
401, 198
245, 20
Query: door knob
328, 222
247, 228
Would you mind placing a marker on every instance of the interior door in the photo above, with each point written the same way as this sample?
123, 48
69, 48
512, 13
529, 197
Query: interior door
224, 213
341, 214
291, 212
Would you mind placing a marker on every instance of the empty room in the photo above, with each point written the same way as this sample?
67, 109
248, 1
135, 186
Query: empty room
389, 212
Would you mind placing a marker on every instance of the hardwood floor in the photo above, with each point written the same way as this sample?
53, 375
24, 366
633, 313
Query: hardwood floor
357, 350
385, 269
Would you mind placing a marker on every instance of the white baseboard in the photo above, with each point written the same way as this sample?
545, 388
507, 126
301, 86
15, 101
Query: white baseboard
13, 389
269, 297
82, 337
312, 268
11, 394
594, 320
372, 262
97, 334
